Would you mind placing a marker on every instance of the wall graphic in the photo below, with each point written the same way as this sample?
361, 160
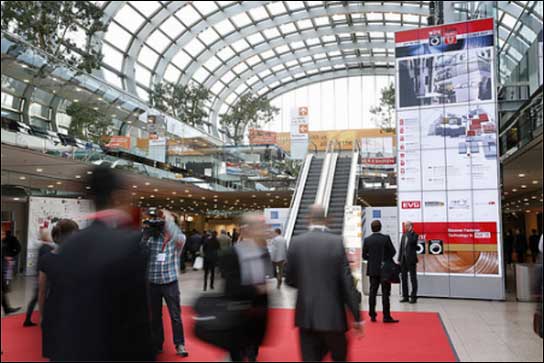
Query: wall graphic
447, 147
43, 213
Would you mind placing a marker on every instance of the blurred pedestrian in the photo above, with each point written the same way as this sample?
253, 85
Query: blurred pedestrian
323, 293
278, 255
224, 240
48, 287
520, 245
5, 265
165, 243
211, 255
244, 267
46, 246
408, 262
102, 282
377, 249
11, 248
533, 245
235, 236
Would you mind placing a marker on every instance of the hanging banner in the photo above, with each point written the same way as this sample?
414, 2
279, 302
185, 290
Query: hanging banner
448, 164
353, 241
262, 137
119, 142
299, 133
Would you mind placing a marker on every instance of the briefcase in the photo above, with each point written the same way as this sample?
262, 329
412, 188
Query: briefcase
390, 272
219, 319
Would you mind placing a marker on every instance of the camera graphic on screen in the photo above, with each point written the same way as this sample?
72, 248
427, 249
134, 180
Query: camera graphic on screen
420, 247
436, 247
435, 39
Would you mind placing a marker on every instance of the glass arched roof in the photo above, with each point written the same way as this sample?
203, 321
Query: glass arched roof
271, 47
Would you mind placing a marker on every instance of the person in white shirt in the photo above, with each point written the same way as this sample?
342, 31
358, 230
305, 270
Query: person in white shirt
278, 255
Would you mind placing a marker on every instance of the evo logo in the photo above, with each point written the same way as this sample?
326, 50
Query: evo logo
411, 204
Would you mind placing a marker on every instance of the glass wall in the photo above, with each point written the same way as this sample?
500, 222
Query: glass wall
337, 104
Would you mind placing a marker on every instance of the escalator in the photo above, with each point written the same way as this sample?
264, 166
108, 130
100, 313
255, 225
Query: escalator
308, 196
339, 192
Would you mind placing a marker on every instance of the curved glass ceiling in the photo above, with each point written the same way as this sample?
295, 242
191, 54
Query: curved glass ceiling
270, 47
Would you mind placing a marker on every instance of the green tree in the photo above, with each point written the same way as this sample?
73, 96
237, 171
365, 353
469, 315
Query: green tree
88, 123
384, 112
62, 29
186, 102
248, 111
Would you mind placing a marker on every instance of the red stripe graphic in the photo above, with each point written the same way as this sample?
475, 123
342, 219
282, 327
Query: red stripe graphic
468, 27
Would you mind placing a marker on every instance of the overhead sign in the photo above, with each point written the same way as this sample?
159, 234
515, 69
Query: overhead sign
261, 137
448, 163
299, 133
119, 142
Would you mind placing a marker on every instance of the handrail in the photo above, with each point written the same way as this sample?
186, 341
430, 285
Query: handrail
323, 180
329, 182
295, 202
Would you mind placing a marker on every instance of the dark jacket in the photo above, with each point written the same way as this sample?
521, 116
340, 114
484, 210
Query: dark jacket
254, 330
319, 269
104, 298
211, 250
11, 247
408, 241
521, 243
377, 248
194, 242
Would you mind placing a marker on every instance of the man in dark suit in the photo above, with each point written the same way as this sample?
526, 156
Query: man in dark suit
244, 268
408, 262
378, 248
319, 269
102, 295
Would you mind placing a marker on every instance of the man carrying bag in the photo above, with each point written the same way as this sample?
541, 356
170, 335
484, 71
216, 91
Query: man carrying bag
379, 251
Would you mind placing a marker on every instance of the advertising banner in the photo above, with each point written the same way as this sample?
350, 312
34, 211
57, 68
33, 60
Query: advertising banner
447, 161
353, 238
43, 214
262, 137
119, 142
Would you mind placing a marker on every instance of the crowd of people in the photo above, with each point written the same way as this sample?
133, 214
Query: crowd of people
101, 290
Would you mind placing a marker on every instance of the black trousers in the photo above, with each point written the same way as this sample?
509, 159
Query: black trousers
248, 353
170, 293
315, 345
209, 269
32, 305
411, 269
375, 282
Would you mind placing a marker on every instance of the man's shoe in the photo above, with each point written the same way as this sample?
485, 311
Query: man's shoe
373, 319
29, 323
390, 320
11, 310
404, 300
180, 350
413, 301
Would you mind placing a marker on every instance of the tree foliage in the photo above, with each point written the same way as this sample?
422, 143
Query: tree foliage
88, 123
186, 102
384, 112
62, 29
248, 111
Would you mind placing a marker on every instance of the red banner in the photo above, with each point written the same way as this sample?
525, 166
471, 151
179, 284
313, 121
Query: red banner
379, 161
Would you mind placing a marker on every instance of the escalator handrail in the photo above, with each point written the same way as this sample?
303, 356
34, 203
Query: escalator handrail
329, 183
295, 201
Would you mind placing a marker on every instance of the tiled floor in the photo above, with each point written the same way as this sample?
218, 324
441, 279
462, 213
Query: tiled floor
479, 330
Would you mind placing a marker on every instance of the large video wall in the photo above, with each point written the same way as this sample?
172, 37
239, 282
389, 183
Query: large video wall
448, 183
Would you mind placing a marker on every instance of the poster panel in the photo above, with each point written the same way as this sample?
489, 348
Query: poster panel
446, 119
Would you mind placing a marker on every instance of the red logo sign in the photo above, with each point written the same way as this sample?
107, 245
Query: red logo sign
450, 37
411, 204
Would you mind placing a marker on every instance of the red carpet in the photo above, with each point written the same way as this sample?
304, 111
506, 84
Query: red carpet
419, 337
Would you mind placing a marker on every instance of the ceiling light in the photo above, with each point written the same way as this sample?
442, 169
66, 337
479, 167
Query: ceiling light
521, 175
190, 195
174, 193
147, 183
59, 183
142, 198
76, 100
523, 186
39, 170
514, 190
88, 187
134, 186
535, 181
90, 172
22, 177
78, 176
50, 186
155, 190
16, 198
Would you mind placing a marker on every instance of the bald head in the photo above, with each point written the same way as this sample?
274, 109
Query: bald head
317, 215
253, 226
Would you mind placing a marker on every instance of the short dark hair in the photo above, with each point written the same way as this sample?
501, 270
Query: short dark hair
103, 183
376, 226
63, 229
277, 230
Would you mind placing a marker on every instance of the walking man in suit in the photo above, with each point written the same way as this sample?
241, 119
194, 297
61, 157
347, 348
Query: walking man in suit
408, 262
378, 248
323, 293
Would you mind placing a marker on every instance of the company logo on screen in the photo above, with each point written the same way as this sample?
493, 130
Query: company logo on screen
484, 235
411, 204
434, 203
450, 37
